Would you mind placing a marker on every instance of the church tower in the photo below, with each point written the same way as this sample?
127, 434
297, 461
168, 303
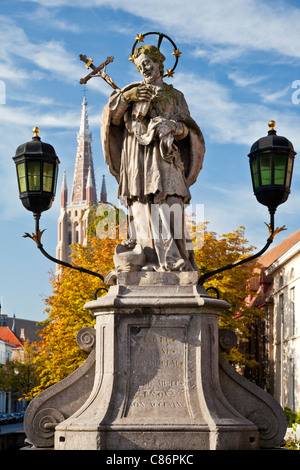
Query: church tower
103, 195
72, 226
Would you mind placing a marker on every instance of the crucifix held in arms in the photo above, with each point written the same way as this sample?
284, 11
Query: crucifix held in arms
97, 71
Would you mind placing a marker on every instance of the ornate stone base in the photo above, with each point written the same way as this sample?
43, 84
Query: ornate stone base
159, 382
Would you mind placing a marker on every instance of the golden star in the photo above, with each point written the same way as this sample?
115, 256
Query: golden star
131, 58
177, 53
169, 73
139, 38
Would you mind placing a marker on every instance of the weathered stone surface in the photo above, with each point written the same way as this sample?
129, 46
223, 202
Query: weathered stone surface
156, 379
60, 401
253, 403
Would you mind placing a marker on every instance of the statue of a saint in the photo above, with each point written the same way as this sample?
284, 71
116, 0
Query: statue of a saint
155, 150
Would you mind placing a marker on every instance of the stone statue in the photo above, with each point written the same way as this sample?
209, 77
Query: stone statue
155, 150
155, 378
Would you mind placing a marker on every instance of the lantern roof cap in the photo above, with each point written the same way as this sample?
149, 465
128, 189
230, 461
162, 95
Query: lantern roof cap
35, 146
272, 140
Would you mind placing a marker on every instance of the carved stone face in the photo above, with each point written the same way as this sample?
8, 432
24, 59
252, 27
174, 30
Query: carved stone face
149, 69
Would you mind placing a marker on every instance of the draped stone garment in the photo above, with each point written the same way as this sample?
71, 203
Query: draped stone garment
150, 170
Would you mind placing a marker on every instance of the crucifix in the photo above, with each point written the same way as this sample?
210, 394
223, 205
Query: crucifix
97, 71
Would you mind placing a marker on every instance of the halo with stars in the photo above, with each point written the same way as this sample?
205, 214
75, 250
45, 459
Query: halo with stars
176, 53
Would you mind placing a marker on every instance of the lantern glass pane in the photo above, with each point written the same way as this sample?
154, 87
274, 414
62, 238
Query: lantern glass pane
47, 177
254, 170
288, 179
289, 172
280, 162
21, 177
279, 177
55, 179
265, 170
279, 169
34, 178
290, 165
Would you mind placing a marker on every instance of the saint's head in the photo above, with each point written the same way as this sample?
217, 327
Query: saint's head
149, 62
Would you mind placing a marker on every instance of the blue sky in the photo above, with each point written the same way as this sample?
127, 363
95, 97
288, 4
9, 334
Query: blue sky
238, 65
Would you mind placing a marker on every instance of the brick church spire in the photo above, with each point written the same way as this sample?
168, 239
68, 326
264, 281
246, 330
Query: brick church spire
103, 196
73, 219
84, 163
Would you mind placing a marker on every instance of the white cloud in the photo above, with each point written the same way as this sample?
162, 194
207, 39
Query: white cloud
54, 20
251, 25
227, 121
49, 60
243, 80
219, 54
275, 96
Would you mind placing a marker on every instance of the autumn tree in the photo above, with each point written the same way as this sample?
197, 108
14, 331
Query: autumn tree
19, 377
58, 354
233, 285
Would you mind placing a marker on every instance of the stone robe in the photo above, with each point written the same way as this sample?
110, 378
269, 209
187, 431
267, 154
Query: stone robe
153, 173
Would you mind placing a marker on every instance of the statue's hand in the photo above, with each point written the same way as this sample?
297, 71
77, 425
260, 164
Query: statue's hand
166, 127
138, 93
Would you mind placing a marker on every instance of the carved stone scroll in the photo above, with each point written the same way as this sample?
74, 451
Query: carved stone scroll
58, 402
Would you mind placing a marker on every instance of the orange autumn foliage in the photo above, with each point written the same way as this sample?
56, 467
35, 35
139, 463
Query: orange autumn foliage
57, 354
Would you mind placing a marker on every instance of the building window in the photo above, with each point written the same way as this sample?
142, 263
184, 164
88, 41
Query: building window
69, 238
281, 305
281, 315
292, 383
280, 282
292, 309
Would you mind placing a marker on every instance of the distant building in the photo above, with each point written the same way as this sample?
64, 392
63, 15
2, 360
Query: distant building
73, 219
6, 351
13, 332
278, 336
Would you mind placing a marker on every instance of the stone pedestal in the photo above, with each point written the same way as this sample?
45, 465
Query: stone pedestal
156, 382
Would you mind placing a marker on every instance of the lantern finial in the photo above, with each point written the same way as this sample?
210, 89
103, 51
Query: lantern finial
36, 131
271, 125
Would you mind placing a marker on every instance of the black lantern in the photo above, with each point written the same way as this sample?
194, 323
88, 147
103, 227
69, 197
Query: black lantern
271, 162
37, 169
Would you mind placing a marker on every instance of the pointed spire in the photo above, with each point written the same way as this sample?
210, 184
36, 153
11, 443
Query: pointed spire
103, 197
84, 131
89, 187
13, 328
64, 191
84, 162
64, 186
89, 183
3, 317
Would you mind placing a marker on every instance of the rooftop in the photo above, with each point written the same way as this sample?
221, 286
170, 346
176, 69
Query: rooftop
9, 337
23, 329
274, 253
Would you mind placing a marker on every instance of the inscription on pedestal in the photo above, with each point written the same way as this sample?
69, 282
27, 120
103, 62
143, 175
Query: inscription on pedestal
157, 372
